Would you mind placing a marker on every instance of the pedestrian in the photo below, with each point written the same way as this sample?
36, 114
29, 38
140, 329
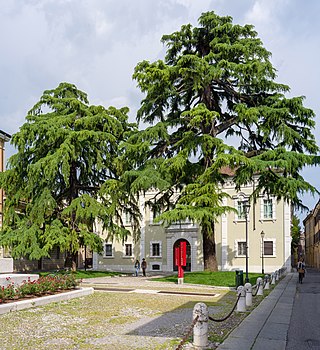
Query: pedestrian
137, 267
301, 267
144, 266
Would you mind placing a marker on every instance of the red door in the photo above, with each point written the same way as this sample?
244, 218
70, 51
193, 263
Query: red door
188, 263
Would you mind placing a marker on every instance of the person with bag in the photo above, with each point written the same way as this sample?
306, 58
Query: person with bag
137, 267
301, 267
144, 266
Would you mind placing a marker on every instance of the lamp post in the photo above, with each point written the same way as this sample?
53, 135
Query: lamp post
262, 255
246, 208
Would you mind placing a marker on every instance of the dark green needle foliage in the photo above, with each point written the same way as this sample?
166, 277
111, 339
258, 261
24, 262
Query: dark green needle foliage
65, 175
214, 103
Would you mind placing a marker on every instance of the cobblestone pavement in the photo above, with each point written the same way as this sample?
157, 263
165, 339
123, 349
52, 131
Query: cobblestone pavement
138, 319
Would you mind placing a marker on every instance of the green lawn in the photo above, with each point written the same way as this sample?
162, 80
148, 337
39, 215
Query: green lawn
219, 278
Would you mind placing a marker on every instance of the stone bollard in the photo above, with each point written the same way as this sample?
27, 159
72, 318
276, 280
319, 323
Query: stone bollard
200, 330
248, 290
267, 282
277, 275
273, 278
241, 304
259, 286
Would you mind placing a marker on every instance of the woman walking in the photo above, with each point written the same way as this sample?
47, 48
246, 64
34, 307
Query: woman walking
301, 267
137, 267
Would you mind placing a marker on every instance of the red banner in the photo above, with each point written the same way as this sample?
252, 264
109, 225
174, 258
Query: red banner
183, 253
177, 256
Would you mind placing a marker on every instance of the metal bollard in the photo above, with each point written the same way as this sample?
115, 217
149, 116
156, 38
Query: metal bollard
267, 280
260, 286
200, 329
248, 290
241, 304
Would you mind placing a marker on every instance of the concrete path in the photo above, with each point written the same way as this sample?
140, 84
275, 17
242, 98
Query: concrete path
287, 319
304, 330
267, 325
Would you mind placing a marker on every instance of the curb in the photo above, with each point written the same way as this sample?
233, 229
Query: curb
26, 304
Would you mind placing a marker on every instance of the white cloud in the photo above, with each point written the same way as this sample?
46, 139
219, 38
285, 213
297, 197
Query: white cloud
96, 44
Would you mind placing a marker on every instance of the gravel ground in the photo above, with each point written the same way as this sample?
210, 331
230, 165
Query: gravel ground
117, 320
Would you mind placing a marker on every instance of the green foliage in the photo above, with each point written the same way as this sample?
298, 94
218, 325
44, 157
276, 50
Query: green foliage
214, 103
65, 175
295, 231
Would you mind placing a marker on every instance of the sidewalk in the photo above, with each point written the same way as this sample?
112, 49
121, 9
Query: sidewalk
267, 326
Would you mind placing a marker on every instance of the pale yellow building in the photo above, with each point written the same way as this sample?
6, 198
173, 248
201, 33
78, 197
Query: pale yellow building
312, 237
157, 243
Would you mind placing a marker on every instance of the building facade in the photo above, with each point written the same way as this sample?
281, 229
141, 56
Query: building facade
312, 237
157, 243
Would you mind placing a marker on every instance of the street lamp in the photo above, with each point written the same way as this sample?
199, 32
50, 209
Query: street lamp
246, 208
262, 255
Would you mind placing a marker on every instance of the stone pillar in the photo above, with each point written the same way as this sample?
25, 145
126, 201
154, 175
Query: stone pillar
241, 305
260, 286
248, 290
267, 282
6, 265
200, 330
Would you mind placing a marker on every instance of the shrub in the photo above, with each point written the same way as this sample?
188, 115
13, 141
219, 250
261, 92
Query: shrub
42, 285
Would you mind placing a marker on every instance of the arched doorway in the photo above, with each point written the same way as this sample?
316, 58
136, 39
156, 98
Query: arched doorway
188, 266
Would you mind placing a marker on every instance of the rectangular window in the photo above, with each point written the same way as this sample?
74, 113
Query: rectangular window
267, 209
127, 220
155, 249
108, 249
128, 250
241, 248
241, 213
268, 248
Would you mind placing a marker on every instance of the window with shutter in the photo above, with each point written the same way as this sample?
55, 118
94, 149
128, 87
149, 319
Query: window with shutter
268, 247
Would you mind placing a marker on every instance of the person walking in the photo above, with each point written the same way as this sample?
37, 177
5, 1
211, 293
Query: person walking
144, 267
137, 267
301, 267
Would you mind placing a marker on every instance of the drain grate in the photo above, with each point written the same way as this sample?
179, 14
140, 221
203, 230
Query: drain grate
113, 289
187, 293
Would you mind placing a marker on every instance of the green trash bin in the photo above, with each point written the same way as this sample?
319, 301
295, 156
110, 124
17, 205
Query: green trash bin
239, 278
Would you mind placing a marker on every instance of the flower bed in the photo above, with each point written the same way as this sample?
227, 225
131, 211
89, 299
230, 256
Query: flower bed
44, 285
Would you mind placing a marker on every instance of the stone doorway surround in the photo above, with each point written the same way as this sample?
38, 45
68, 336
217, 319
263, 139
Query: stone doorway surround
189, 232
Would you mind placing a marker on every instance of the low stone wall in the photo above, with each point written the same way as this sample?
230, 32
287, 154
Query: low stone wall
26, 304
6, 265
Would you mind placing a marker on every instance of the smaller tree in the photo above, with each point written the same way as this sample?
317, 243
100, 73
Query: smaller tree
295, 235
65, 175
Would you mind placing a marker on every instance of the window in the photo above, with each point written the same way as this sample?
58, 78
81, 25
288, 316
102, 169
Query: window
267, 209
108, 250
154, 213
155, 267
268, 248
241, 212
241, 248
128, 250
127, 219
155, 249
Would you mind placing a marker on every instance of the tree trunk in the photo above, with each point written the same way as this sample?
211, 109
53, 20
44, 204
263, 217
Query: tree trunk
71, 261
209, 251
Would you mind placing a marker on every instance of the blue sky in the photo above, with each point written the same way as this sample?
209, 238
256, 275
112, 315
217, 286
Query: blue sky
96, 44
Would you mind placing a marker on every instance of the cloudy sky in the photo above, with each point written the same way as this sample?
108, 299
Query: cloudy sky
96, 44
